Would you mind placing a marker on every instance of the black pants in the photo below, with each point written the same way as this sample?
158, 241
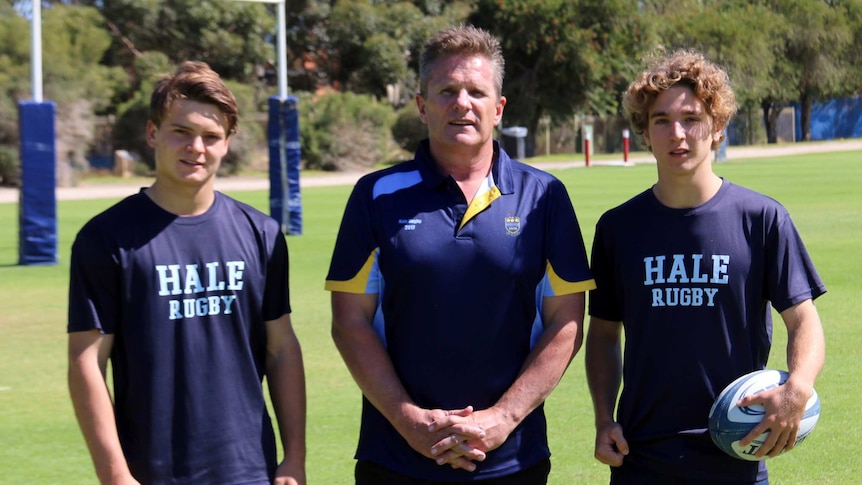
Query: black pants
630, 475
370, 473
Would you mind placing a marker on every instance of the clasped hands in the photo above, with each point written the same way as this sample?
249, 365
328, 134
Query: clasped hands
459, 438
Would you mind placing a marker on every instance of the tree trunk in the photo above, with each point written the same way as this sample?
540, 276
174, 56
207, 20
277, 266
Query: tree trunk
770, 118
806, 100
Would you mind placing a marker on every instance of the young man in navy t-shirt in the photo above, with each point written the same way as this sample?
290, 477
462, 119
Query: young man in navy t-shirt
185, 291
689, 269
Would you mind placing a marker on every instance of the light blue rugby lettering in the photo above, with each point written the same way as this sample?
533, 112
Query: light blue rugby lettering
395, 182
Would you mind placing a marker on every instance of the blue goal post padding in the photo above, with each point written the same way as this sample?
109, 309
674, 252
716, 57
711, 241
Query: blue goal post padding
285, 200
37, 218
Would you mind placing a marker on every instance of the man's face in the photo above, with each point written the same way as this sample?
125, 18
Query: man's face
680, 132
189, 144
461, 106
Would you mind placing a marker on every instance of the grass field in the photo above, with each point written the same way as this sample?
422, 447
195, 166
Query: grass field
40, 441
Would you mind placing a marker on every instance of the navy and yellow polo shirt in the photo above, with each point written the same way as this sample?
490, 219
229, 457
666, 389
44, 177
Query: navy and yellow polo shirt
460, 292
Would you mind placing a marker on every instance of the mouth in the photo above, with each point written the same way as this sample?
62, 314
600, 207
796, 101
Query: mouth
679, 152
191, 163
462, 123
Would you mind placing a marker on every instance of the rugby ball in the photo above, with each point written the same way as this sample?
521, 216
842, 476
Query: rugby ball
729, 423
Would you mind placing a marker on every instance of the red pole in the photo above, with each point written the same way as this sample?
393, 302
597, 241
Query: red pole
587, 150
625, 146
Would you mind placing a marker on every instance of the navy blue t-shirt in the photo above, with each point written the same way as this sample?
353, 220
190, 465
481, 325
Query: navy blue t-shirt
693, 289
186, 300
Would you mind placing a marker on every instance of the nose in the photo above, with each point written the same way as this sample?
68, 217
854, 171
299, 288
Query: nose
677, 131
462, 101
196, 145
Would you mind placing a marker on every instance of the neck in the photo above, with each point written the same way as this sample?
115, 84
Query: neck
678, 193
468, 163
182, 201
468, 167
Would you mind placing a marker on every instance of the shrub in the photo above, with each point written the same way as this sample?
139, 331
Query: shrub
344, 131
129, 131
408, 129
10, 166
250, 135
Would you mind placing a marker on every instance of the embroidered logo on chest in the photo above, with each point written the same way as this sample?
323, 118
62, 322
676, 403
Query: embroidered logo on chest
513, 225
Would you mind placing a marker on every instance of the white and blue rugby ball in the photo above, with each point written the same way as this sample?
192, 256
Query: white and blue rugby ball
729, 423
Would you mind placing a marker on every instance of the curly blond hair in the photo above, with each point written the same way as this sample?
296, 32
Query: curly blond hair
709, 82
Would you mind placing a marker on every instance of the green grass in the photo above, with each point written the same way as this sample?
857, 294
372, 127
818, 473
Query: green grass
41, 443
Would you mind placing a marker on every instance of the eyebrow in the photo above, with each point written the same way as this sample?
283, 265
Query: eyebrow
657, 114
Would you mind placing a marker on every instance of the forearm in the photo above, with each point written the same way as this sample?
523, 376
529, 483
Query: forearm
286, 380
603, 362
805, 343
549, 358
540, 374
95, 414
371, 368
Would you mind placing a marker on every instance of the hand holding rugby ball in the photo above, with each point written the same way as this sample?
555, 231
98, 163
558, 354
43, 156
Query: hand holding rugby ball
729, 423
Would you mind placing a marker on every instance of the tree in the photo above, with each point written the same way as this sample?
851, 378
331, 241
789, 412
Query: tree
776, 51
375, 44
73, 42
741, 36
232, 37
564, 56
819, 51
14, 70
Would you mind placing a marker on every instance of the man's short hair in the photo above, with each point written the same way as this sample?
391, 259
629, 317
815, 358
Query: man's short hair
464, 39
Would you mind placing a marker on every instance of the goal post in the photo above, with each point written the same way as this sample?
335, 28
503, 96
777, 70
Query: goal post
37, 215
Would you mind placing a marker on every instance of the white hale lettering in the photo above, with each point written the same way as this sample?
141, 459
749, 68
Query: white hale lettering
175, 279
234, 274
685, 269
171, 275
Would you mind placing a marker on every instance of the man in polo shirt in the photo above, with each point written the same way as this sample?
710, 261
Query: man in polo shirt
458, 283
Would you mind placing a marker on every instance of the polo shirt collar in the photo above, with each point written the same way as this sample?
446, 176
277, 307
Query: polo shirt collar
501, 168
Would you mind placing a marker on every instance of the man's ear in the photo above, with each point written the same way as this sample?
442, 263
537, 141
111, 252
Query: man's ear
420, 103
499, 115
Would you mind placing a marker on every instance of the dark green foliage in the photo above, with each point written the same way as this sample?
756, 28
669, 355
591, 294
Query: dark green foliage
344, 131
564, 56
10, 166
408, 129
249, 136
130, 131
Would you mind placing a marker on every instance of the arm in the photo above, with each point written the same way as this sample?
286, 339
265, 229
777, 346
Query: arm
604, 375
286, 380
785, 405
540, 374
88, 359
371, 368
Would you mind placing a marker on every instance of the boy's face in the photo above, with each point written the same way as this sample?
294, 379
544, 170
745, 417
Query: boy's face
680, 132
189, 144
